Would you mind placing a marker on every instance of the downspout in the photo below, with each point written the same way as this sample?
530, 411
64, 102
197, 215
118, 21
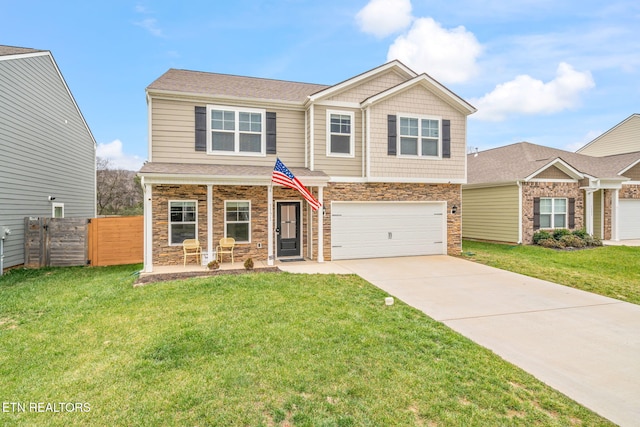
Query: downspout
311, 137
368, 143
364, 141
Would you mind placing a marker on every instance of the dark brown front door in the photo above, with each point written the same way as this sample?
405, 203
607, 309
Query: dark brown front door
288, 229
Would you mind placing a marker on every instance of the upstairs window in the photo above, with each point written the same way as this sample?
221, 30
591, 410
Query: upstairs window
236, 131
419, 136
340, 133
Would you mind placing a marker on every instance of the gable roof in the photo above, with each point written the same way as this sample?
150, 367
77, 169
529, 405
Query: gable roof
523, 161
430, 83
14, 50
198, 83
8, 53
605, 134
231, 86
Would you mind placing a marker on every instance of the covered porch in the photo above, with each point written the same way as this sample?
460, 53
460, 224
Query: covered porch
211, 190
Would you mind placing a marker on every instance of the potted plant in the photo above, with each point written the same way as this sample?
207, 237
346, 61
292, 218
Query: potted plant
248, 264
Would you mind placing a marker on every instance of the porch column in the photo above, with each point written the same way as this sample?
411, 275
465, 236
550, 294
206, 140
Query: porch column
209, 222
320, 227
148, 229
270, 258
588, 211
614, 215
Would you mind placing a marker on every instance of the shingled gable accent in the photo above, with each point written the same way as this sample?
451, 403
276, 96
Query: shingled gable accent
429, 83
395, 65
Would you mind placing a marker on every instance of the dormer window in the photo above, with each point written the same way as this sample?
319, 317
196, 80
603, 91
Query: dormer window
239, 131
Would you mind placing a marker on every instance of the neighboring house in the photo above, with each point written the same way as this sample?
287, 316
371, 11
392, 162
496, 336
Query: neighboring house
516, 190
47, 152
620, 139
384, 151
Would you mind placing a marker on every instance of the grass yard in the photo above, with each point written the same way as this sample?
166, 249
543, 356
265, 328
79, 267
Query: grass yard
612, 271
262, 349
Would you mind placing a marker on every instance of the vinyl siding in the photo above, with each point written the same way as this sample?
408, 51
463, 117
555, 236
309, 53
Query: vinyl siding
335, 165
624, 138
173, 136
597, 214
552, 173
420, 101
490, 213
633, 173
373, 86
46, 149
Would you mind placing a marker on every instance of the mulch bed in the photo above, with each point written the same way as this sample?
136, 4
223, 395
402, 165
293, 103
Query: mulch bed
153, 278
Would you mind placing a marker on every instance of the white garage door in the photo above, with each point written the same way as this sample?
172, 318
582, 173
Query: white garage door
629, 217
386, 229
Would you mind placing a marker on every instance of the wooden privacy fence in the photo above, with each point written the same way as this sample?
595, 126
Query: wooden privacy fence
61, 242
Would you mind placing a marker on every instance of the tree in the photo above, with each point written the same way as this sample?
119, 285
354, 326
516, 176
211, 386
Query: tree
118, 191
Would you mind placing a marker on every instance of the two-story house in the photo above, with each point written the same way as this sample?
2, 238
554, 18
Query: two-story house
384, 152
47, 151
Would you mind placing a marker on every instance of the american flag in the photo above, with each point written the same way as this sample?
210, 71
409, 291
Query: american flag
283, 176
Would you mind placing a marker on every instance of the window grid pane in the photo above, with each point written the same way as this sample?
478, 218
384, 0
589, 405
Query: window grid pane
429, 147
238, 219
182, 220
409, 146
430, 128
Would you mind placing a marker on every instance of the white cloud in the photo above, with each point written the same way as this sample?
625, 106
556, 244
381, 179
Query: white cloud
526, 95
117, 159
384, 17
449, 55
151, 25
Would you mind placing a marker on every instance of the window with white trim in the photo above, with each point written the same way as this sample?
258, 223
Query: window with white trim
419, 136
237, 220
340, 133
553, 212
57, 210
183, 221
234, 130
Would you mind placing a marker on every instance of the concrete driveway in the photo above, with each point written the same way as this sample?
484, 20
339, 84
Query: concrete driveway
584, 345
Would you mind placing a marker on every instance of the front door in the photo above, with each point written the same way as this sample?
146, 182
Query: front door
288, 229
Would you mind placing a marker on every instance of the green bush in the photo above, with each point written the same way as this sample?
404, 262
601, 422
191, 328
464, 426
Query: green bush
592, 241
541, 235
558, 233
551, 243
573, 241
582, 233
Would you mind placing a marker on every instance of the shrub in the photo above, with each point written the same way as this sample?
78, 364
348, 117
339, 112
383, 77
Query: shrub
573, 241
541, 235
213, 265
592, 241
557, 234
582, 233
248, 264
551, 243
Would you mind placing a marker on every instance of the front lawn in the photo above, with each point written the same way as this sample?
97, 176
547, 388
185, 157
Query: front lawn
262, 349
612, 271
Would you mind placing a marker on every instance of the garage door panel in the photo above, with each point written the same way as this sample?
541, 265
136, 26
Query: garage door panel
370, 230
629, 219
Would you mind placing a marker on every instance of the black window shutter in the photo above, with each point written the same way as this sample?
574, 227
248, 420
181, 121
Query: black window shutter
536, 213
446, 139
201, 128
572, 213
392, 135
271, 133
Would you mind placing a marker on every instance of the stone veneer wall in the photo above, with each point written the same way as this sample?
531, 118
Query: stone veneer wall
164, 254
451, 193
530, 190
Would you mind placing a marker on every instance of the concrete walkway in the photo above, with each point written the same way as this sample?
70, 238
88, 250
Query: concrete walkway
584, 345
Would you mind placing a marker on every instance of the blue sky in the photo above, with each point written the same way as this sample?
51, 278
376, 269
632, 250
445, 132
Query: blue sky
556, 73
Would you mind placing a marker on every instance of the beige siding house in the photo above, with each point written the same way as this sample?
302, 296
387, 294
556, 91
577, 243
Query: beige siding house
620, 139
515, 190
384, 152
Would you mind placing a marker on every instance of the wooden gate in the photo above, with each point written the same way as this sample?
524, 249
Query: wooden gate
63, 242
55, 242
116, 240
